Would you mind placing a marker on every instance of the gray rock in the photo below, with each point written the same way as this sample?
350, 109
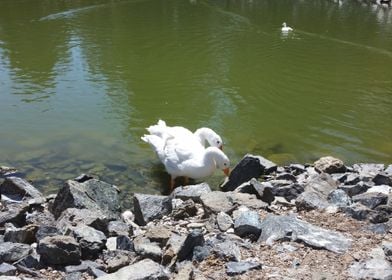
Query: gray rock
371, 200
289, 192
185, 210
123, 242
25, 234
160, 234
358, 211
6, 171
321, 183
376, 267
117, 259
310, 200
245, 199
13, 213
352, 190
286, 227
82, 267
91, 241
387, 248
173, 246
262, 190
286, 176
339, 198
191, 192
7, 269
12, 252
216, 202
63, 250
236, 268
348, 178
248, 224
249, 167
185, 272
95, 272
367, 171
194, 238
224, 221
150, 207
226, 249
19, 189
72, 217
40, 217
92, 194
44, 231
383, 179
30, 261
145, 269
147, 249
329, 165
116, 228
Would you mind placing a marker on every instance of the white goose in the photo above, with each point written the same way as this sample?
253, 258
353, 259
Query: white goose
201, 135
186, 159
286, 28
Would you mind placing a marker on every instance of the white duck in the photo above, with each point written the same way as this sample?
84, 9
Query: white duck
185, 159
286, 28
201, 135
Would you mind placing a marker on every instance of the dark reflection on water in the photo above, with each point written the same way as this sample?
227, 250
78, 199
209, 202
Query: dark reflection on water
81, 80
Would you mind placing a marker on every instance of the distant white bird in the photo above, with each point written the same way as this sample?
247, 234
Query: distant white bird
187, 159
201, 135
286, 28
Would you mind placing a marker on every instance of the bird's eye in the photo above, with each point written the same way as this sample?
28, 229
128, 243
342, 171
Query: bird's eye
225, 164
217, 142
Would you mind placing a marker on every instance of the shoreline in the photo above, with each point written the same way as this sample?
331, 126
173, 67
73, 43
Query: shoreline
324, 219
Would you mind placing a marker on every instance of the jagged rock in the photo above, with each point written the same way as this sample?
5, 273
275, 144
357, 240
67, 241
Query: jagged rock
63, 250
19, 189
173, 246
191, 192
91, 194
160, 234
262, 190
13, 213
184, 210
286, 227
321, 183
383, 179
249, 167
44, 231
248, 224
352, 190
12, 252
25, 234
358, 211
7, 269
216, 202
376, 267
347, 178
117, 259
329, 165
91, 241
296, 168
30, 261
72, 217
289, 192
236, 268
367, 171
116, 228
40, 217
339, 198
147, 249
123, 242
310, 200
145, 269
225, 249
381, 189
371, 200
150, 207
286, 176
245, 199
194, 238
6, 171
224, 221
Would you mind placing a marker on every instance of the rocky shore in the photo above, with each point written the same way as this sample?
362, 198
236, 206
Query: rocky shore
323, 220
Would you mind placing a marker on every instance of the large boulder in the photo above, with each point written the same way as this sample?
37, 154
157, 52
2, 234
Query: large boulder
329, 165
249, 167
150, 207
91, 194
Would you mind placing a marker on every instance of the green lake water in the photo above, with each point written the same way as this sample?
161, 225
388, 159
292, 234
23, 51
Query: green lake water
80, 80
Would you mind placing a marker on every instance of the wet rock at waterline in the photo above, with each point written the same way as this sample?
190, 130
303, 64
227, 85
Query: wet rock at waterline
333, 219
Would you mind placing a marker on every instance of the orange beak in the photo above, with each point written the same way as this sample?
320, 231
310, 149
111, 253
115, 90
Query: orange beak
226, 171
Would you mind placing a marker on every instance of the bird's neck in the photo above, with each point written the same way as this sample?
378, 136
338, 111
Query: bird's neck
201, 134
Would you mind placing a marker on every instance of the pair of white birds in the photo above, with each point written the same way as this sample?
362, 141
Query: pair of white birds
183, 153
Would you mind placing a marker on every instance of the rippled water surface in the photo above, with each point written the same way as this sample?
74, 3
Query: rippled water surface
80, 80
